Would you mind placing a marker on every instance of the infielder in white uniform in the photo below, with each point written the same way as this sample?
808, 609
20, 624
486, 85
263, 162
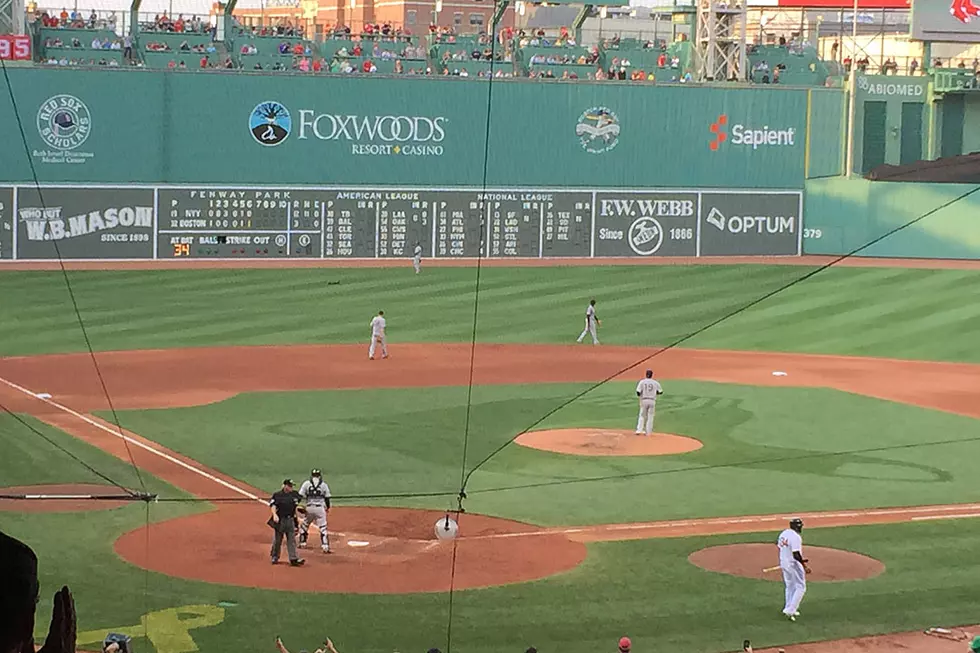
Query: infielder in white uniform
647, 390
794, 567
591, 322
417, 258
316, 494
378, 335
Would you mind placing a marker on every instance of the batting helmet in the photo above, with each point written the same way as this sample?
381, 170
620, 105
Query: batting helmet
796, 524
315, 472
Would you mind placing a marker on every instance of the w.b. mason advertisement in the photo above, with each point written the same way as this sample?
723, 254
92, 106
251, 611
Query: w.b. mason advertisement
79, 223
6, 223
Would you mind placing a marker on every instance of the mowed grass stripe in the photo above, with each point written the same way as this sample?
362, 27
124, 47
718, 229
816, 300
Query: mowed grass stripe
839, 311
826, 318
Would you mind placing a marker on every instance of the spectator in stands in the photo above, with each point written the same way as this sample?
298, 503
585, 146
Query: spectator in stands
317, 65
96, 43
18, 601
128, 46
975, 82
328, 647
205, 61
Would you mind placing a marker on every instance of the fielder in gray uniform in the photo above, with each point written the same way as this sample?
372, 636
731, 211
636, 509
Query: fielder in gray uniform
316, 494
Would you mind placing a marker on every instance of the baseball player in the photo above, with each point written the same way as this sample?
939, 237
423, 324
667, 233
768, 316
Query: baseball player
591, 322
417, 257
316, 494
647, 390
794, 567
378, 335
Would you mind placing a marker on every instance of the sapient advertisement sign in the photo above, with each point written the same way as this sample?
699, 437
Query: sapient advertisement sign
750, 224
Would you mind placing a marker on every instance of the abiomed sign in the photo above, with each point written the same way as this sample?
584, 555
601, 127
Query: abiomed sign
913, 88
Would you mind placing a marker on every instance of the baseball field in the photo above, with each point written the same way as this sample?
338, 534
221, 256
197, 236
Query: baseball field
850, 398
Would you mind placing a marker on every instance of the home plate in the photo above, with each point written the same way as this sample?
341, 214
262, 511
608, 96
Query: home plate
779, 374
43, 395
357, 543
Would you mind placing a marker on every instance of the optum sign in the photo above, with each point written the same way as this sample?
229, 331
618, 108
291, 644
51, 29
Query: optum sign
750, 224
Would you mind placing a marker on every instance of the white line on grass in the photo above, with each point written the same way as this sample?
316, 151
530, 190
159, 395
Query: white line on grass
130, 440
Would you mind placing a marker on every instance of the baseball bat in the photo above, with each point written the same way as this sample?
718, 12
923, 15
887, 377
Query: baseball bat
768, 569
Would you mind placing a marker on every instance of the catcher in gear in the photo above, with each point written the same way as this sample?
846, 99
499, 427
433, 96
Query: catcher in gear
316, 495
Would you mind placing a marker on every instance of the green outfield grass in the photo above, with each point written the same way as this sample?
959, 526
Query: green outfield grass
873, 312
645, 589
47, 455
759, 442
766, 449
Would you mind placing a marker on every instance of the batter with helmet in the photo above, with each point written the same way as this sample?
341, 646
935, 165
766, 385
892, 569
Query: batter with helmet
794, 567
316, 493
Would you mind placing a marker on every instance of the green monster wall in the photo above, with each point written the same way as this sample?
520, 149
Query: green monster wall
195, 128
843, 215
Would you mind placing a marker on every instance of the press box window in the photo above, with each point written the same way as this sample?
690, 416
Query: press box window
476, 19
410, 17
458, 18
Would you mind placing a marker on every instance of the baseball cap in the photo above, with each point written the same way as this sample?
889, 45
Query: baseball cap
287, 481
625, 644
975, 644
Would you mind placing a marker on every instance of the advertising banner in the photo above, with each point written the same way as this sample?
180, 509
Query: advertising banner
750, 224
267, 130
176, 222
646, 224
84, 223
946, 21
6, 223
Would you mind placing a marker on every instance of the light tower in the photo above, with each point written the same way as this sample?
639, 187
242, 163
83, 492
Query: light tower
720, 40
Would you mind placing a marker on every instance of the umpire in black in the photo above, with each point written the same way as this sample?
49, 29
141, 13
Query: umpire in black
283, 505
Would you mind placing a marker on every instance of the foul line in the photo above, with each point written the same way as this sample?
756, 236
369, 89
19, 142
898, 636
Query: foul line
133, 441
760, 519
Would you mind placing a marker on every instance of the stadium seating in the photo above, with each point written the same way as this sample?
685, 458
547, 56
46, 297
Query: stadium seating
678, 58
799, 65
76, 45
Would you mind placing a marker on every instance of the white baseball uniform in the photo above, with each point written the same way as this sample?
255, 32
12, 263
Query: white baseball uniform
317, 497
794, 575
378, 335
417, 259
647, 391
590, 325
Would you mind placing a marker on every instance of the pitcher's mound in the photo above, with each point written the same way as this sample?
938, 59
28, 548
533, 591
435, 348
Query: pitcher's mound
748, 561
607, 442
77, 497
